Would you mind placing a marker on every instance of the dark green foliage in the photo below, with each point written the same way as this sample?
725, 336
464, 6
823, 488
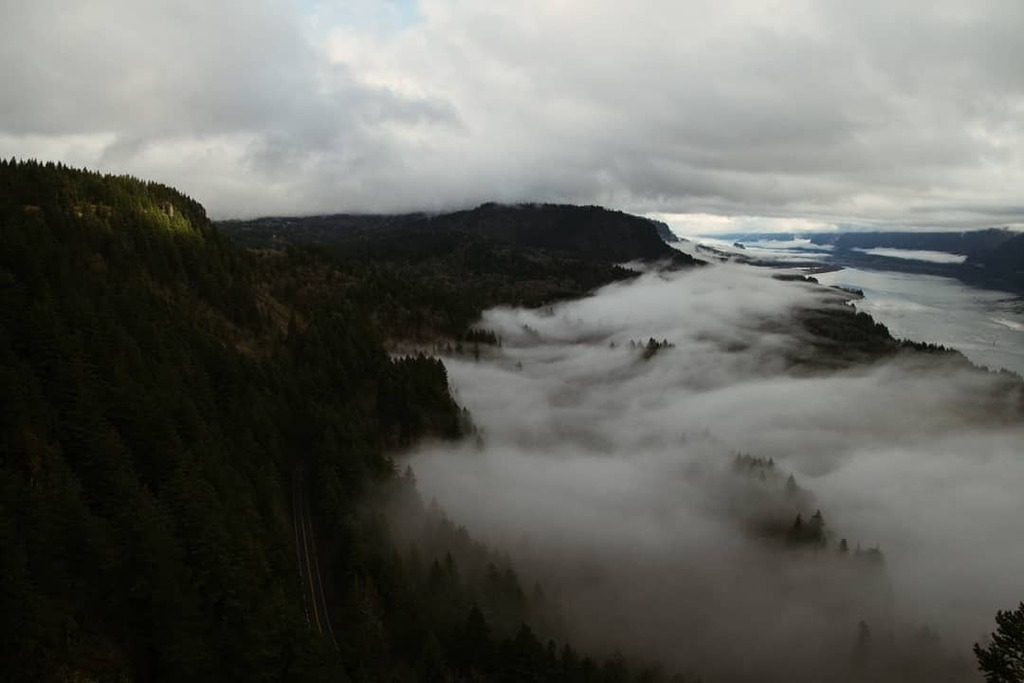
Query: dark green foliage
152, 414
1001, 660
927, 347
759, 467
413, 400
810, 532
843, 330
430, 276
794, 277
420, 595
745, 462
664, 232
586, 232
779, 495
430, 293
837, 336
477, 336
161, 388
651, 347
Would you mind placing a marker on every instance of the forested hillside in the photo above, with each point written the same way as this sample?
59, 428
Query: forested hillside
582, 232
434, 274
162, 389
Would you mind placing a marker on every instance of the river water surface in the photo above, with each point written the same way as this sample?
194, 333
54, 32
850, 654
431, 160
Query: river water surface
985, 325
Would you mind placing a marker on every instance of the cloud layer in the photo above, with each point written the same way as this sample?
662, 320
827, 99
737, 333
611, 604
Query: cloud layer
611, 478
871, 113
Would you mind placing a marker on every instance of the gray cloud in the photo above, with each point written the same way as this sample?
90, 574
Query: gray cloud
868, 113
610, 479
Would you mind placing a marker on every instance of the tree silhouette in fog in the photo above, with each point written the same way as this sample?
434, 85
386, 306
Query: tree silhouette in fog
1002, 659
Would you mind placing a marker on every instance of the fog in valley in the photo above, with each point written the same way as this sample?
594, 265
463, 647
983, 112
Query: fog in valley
648, 488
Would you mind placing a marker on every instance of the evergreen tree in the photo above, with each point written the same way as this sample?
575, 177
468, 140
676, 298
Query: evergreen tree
1001, 660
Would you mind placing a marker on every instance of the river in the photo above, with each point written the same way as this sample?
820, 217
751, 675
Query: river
985, 325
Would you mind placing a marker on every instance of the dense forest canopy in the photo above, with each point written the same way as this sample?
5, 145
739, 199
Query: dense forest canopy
162, 387
169, 396
432, 274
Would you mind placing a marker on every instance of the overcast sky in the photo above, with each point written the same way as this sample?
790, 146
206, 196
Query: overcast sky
778, 113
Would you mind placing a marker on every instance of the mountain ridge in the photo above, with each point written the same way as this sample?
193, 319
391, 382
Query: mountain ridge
162, 388
166, 391
580, 231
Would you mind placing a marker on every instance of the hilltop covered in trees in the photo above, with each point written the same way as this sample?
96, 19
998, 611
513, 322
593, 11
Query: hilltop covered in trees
163, 385
160, 388
432, 275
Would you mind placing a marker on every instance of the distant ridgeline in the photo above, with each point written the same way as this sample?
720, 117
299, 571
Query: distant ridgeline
159, 389
994, 257
665, 233
584, 232
452, 266
431, 276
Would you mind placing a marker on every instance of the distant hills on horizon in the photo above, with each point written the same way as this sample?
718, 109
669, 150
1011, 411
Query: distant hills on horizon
180, 407
588, 232
994, 257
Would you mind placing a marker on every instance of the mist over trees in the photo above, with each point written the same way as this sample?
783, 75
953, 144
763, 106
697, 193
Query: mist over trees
161, 388
627, 485
754, 481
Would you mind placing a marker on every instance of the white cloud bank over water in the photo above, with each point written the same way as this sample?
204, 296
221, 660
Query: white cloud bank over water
610, 477
914, 254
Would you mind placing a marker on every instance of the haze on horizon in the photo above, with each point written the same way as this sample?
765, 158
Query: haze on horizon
816, 113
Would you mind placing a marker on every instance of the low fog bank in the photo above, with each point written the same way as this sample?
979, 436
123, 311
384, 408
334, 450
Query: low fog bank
648, 487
